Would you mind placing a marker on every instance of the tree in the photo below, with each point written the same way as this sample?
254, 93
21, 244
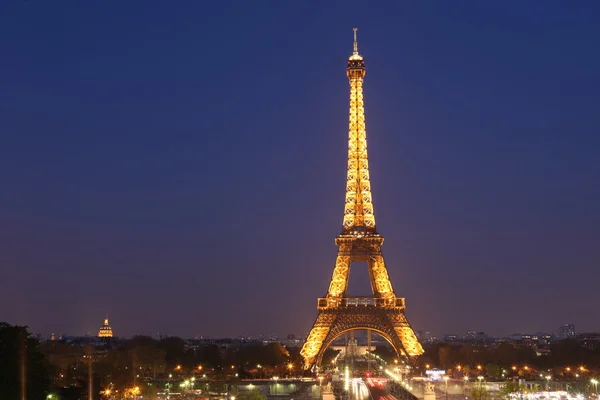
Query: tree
251, 395
508, 388
174, 349
468, 354
20, 355
145, 355
478, 391
447, 357
493, 370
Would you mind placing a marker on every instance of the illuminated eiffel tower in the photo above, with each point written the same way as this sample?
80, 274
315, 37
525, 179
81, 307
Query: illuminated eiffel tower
359, 241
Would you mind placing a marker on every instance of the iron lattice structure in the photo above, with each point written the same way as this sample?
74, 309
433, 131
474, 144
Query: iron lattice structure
359, 241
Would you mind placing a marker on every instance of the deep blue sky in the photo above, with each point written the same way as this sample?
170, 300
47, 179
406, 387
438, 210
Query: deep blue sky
181, 166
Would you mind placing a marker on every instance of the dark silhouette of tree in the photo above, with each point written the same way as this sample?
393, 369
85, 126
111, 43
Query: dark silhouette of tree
211, 356
448, 355
146, 357
174, 349
492, 370
17, 347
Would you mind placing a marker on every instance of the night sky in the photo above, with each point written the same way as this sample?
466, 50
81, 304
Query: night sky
180, 166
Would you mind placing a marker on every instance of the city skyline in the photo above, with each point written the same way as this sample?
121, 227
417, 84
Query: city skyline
182, 170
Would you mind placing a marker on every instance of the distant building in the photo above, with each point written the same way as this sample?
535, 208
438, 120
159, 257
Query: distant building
353, 349
589, 340
473, 336
566, 331
451, 337
105, 330
424, 336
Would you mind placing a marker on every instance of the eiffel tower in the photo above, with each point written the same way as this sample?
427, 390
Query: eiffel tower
359, 241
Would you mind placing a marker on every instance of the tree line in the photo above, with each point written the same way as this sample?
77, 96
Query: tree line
63, 368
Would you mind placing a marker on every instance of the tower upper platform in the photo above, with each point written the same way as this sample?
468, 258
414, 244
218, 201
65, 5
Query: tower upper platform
356, 63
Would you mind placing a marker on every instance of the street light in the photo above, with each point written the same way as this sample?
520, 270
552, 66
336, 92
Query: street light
480, 386
446, 381
595, 383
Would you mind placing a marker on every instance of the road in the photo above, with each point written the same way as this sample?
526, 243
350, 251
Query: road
376, 387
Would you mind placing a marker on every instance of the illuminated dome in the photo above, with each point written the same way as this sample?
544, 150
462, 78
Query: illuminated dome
105, 330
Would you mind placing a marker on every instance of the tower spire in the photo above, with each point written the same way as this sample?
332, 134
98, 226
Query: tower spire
358, 208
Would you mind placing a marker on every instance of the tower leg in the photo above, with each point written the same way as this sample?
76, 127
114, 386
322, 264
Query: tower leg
341, 272
380, 280
314, 342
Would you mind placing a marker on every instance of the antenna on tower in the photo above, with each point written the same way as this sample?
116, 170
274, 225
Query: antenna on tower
355, 42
